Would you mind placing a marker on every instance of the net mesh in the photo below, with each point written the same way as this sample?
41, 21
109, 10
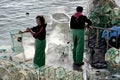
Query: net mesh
16, 39
10, 70
113, 58
104, 13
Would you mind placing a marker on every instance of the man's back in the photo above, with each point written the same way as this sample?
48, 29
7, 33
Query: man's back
79, 22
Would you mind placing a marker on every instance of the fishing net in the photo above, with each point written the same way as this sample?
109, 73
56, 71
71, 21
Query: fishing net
97, 75
16, 71
10, 70
5, 74
60, 73
16, 39
104, 13
112, 56
74, 75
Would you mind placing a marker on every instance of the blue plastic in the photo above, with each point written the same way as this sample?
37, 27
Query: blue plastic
113, 32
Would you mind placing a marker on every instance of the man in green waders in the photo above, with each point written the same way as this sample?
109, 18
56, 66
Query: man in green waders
39, 33
77, 24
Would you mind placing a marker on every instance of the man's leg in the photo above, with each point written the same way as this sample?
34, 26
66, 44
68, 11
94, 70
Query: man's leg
74, 45
80, 47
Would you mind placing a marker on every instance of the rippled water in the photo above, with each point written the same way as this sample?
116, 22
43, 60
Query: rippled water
13, 13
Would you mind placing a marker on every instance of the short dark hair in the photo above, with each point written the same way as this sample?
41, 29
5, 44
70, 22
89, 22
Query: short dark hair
79, 9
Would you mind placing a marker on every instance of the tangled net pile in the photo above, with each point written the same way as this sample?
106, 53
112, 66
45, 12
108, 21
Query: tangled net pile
113, 58
10, 70
104, 13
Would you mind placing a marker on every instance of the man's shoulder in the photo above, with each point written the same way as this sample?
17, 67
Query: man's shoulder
82, 17
73, 17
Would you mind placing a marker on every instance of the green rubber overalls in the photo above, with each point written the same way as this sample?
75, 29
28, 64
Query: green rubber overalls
39, 57
78, 45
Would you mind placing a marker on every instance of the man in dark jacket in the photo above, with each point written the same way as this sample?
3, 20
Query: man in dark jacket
77, 24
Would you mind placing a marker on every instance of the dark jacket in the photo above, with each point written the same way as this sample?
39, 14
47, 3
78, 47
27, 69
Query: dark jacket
78, 21
40, 32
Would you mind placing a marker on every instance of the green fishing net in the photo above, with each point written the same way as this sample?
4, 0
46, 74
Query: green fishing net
113, 56
10, 70
16, 38
104, 13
